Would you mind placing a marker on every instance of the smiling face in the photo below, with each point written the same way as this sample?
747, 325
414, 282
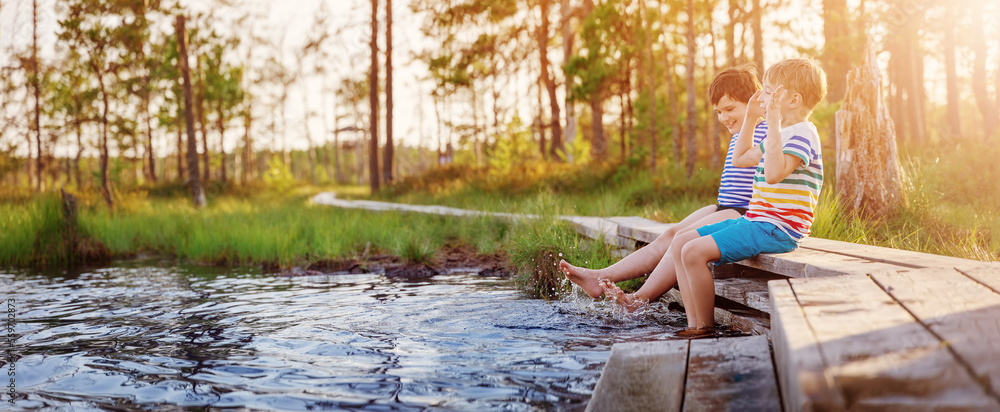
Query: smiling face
731, 113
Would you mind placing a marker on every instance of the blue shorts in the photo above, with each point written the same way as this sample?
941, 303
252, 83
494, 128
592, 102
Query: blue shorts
740, 239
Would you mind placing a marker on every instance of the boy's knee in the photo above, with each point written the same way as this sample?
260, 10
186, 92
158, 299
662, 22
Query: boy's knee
694, 254
667, 236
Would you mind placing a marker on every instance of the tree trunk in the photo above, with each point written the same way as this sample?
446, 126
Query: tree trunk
717, 145
569, 38
691, 122
105, 180
387, 153
550, 85
36, 85
734, 13
373, 179
651, 71
222, 142
758, 37
197, 195
180, 144
979, 84
868, 178
954, 123
598, 144
79, 153
672, 97
837, 49
200, 113
540, 122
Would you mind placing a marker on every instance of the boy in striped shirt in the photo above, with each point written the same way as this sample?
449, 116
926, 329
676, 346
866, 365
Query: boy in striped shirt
729, 92
786, 188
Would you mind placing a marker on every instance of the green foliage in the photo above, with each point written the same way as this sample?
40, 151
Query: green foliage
279, 176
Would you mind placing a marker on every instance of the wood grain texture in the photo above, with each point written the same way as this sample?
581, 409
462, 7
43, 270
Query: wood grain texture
647, 376
878, 354
964, 313
641, 229
733, 374
800, 366
807, 263
886, 255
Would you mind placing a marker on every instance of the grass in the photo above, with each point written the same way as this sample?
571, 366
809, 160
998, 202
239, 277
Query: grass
951, 208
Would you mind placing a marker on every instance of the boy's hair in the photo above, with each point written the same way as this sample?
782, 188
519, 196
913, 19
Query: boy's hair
802, 76
739, 83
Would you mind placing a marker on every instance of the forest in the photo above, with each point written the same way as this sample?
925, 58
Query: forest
142, 92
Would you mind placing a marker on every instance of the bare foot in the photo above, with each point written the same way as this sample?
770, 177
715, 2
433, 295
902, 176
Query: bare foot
627, 301
584, 278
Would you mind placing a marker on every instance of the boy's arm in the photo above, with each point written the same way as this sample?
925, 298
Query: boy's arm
777, 165
745, 153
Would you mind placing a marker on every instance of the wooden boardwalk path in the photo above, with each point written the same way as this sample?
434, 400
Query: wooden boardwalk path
850, 327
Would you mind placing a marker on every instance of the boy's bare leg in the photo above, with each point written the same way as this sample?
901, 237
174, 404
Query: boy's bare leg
682, 280
664, 276
640, 262
694, 259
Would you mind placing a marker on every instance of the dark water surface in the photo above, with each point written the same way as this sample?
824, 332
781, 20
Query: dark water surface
144, 335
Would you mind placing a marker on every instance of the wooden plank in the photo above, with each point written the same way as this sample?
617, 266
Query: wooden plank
641, 229
877, 352
600, 229
800, 366
959, 310
887, 255
807, 263
988, 274
733, 374
643, 376
750, 291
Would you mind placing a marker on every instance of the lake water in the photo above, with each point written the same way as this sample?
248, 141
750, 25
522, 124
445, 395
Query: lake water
150, 334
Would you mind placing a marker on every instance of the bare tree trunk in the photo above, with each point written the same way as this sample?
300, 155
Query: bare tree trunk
197, 195
569, 38
692, 109
79, 153
105, 181
979, 84
868, 178
550, 85
838, 47
200, 113
954, 128
180, 145
598, 144
758, 37
715, 144
222, 142
387, 153
734, 12
36, 85
651, 69
373, 179
540, 121
672, 97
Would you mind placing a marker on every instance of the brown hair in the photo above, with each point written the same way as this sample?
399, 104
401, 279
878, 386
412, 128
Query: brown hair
739, 83
802, 76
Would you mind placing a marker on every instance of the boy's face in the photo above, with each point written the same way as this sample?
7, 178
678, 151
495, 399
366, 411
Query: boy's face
731, 113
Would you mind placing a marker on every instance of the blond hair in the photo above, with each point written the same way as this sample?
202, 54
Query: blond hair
802, 76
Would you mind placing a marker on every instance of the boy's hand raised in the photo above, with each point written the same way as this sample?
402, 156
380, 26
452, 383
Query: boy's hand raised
778, 100
755, 109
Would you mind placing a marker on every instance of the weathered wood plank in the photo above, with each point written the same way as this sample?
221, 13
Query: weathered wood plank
988, 274
599, 228
877, 352
641, 229
733, 374
750, 291
807, 263
647, 376
960, 310
887, 255
800, 366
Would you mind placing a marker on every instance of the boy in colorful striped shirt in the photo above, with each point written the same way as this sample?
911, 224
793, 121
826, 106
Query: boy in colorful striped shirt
729, 92
786, 188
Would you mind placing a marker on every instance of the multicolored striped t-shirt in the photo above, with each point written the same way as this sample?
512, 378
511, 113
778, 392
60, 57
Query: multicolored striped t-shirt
790, 204
736, 186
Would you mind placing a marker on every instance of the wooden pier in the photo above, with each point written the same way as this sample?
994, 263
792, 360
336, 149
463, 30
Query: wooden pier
839, 326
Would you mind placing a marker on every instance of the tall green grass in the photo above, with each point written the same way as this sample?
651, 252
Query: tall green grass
31, 231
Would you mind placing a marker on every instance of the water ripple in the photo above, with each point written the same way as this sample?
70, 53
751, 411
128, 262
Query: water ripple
137, 336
